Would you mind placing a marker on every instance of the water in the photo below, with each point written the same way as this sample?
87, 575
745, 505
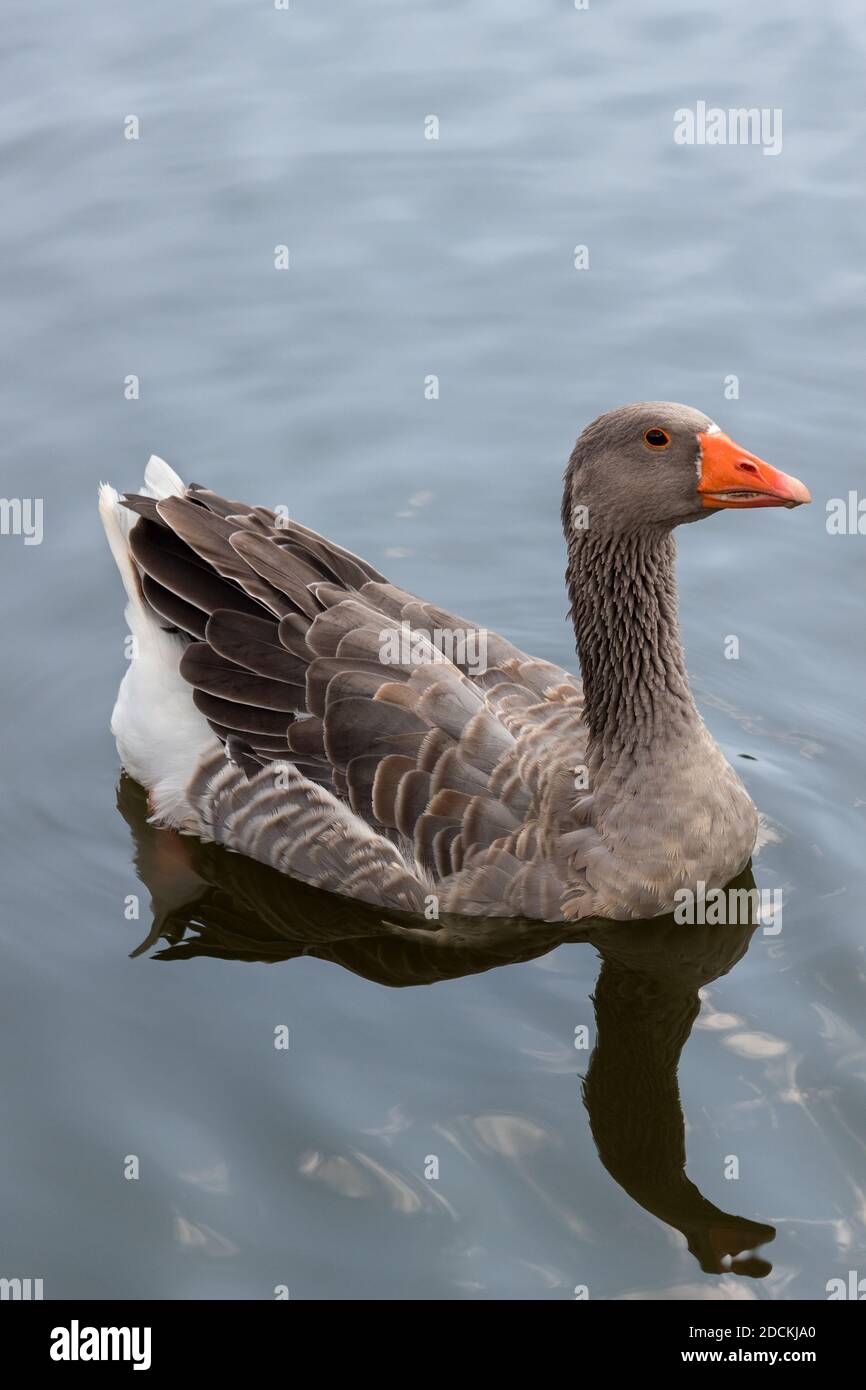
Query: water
305, 1167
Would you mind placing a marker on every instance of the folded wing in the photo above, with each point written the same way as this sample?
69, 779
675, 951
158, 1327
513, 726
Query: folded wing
374, 743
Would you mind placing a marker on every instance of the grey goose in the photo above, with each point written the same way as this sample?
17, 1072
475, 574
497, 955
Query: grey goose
285, 700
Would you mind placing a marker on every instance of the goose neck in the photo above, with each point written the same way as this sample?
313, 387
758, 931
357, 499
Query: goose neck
624, 608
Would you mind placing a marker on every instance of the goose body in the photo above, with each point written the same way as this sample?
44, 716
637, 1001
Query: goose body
285, 700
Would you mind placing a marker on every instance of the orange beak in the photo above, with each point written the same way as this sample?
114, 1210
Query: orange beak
731, 477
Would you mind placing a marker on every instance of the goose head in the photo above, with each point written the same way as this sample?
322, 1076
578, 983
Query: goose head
657, 464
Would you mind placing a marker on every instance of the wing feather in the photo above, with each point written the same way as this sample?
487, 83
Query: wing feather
378, 744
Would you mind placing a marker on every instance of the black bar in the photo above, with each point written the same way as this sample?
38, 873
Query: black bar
244, 1336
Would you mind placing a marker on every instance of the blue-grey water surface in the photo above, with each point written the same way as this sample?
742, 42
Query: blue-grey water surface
309, 1168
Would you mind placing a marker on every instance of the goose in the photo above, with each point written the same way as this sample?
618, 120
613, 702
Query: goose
284, 699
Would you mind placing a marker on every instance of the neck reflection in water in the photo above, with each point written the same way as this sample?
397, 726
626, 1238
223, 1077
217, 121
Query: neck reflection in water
209, 902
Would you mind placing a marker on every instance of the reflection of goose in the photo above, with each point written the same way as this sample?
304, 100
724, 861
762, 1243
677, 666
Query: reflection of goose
284, 699
209, 902
646, 1000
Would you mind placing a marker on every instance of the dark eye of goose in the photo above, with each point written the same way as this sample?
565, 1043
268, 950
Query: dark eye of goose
657, 439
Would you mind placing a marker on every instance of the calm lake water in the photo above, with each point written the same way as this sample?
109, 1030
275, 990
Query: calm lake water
310, 1167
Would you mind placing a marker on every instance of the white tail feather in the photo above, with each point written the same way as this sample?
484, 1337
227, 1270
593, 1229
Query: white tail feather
117, 522
161, 736
160, 480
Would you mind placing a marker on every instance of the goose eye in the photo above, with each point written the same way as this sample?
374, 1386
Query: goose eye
657, 439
